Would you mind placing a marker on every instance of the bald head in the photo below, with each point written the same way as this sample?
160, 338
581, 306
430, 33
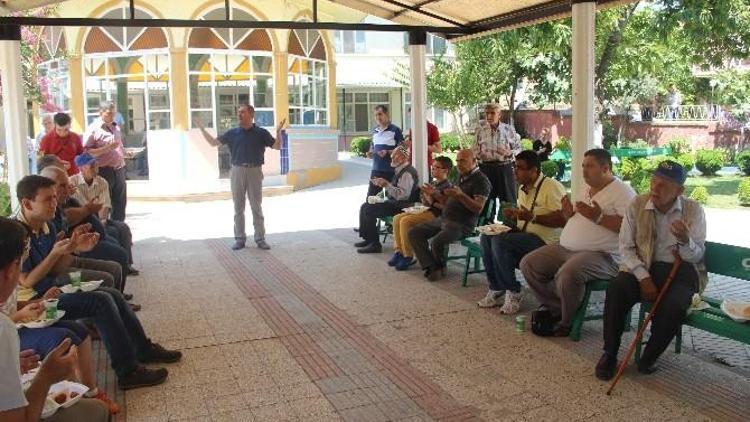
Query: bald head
465, 161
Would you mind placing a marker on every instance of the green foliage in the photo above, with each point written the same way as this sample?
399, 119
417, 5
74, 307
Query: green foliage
743, 192
635, 143
453, 141
700, 194
686, 160
360, 145
710, 161
609, 134
628, 168
563, 144
527, 144
743, 161
679, 146
549, 168
4, 200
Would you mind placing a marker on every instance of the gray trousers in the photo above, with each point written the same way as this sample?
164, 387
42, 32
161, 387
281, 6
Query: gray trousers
247, 182
85, 410
430, 241
96, 269
558, 276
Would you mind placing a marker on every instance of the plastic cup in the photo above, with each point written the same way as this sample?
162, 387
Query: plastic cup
50, 308
75, 278
521, 323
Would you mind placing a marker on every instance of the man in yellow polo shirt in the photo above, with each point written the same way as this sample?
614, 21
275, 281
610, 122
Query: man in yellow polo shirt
536, 223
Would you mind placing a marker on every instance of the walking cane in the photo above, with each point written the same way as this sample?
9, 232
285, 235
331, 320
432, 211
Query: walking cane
662, 292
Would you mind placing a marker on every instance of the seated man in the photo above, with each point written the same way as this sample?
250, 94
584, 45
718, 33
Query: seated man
588, 249
89, 187
403, 258
51, 160
70, 213
463, 203
401, 192
120, 330
657, 226
537, 223
16, 403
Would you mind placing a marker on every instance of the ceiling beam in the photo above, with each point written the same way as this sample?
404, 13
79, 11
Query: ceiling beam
418, 6
406, 7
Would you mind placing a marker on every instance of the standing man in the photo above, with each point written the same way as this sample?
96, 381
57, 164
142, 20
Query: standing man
495, 145
247, 145
103, 140
385, 138
62, 142
433, 140
656, 226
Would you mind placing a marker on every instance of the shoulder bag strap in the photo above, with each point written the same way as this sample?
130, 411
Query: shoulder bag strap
533, 203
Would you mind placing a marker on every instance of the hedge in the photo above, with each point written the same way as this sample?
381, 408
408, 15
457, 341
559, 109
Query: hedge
743, 191
550, 168
743, 161
360, 145
4, 200
709, 161
700, 194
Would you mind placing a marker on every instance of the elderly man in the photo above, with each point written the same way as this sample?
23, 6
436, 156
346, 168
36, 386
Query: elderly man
17, 403
103, 140
536, 224
385, 137
495, 145
462, 205
402, 191
656, 227
48, 125
62, 142
247, 145
588, 249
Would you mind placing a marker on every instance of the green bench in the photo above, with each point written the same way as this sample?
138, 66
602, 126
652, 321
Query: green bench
721, 259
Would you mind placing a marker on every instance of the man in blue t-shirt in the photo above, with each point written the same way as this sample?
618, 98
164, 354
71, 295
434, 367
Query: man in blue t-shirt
247, 145
385, 138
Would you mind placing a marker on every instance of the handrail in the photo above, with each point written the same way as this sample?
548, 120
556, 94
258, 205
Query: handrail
689, 112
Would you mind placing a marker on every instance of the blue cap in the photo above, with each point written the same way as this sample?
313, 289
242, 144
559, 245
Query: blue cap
85, 159
671, 170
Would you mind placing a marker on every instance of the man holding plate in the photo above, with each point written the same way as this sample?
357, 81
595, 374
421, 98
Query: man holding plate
535, 225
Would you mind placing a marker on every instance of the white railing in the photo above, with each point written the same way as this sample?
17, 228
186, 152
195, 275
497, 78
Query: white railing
689, 113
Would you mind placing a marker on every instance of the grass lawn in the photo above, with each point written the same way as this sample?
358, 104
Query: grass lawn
722, 190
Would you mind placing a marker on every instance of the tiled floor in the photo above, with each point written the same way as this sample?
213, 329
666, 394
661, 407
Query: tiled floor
313, 331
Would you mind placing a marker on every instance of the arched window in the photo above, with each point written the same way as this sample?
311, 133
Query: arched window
54, 78
228, 67
129, 66
308, 78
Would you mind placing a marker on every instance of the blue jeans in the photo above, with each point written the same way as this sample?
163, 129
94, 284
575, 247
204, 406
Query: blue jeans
109, 250
501, 255
121, 331
44, 340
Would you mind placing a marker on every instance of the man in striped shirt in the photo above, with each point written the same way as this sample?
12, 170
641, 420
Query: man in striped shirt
385, 138
92, 187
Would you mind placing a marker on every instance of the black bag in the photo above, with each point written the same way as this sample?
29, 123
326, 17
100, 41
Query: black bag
542, 323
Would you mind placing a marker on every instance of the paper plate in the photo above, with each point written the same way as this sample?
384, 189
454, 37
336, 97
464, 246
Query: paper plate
493, 229
42, 323
735, 310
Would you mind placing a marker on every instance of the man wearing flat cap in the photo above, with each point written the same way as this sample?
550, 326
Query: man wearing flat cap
657, 226
400, 192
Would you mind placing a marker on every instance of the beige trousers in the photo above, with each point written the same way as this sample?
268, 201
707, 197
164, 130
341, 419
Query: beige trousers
402, 223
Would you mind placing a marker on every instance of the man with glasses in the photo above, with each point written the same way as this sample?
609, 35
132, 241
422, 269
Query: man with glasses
62, 142
535, 223
403, 258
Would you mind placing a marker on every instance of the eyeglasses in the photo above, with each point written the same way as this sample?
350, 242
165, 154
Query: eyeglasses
434, 167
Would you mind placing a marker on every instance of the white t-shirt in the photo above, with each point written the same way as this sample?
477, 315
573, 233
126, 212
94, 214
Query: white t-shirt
11, 390
582, 234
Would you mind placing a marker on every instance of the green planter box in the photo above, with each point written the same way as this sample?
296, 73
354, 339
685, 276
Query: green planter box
639, 152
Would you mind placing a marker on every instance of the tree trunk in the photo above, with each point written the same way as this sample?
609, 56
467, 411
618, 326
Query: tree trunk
511, 103
613, 42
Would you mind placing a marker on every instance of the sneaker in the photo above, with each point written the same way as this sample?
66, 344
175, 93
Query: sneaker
240, 244
405, 263
512, 303
263, 245
142, 377
158, 354
395, 259
108, 403
491, 300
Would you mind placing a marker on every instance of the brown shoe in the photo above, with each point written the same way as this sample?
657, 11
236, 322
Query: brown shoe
135, 307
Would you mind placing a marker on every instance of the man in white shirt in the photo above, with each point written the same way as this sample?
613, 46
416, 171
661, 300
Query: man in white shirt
588, 249
657, 226
17, 404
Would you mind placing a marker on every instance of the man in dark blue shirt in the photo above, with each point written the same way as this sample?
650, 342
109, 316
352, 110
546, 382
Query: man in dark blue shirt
385, 138
247, 145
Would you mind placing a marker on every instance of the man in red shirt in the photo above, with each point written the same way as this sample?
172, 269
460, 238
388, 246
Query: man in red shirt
62, 142
433, 141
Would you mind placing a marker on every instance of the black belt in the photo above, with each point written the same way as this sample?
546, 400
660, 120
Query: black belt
246, 165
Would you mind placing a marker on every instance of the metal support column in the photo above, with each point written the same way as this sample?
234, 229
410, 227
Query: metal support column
584, 22
417, 45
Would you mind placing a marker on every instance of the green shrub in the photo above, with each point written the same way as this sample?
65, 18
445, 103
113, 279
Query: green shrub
710, 161
360, 145
628, 167
679, 146
635, 143
453, 142
743, 191
700, 194
686, 160
549, 168
527, 144
743, 161
4, 200
609, 135
563, 144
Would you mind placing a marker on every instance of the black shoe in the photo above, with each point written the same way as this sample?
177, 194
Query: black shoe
606, 367
356, 229
436, 274
263, 245
142, 377
127, 296
133, 272
135, 307
371, 248
560, 330
646, 368
362, 244
238, 245
158, 354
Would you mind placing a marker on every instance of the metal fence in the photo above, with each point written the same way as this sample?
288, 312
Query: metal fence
686, 112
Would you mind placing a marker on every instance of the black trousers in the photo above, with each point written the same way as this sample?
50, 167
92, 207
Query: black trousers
503, 183
118, 190
121, 232
368, 218
624, 292
375, 189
